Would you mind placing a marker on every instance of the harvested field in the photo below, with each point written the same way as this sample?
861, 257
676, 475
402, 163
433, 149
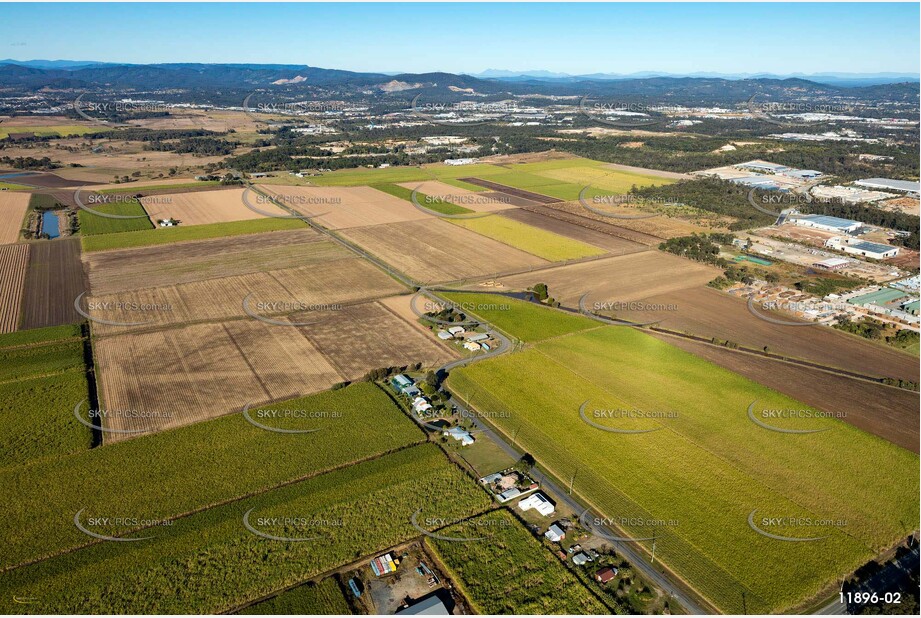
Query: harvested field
617, 279
275, 292
202, 207
13, 208
614, 244
346, 207
646, 171
162, 265
655, 228
13, 262
890, 413
565, 211
157, 380
709, 313
400, 306
46, 180
528, 195
435, 250
481, 201
54, 279
359, 338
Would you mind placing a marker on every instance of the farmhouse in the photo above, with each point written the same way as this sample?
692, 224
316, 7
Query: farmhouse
539, 502
829, 224
864, 248
581, 558
421, 405
605, 574
456, 331
555, 533
461, 435
472, 346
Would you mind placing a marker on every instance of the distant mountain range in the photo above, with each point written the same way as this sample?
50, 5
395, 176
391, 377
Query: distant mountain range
224, 83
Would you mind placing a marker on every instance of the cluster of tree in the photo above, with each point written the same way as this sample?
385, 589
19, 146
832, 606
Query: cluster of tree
540, 293
712, 195
29, 163
699, 247
151, 135
868, 328
198, 146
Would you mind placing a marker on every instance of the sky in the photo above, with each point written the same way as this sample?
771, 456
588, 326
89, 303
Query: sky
469, 38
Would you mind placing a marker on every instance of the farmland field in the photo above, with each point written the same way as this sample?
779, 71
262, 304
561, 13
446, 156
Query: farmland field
163, 265
91, 224
162, 236
346, 207
324, 598
179, 376
617, 279
434, 250
54, 278
475, 201
204, 207
709, 313
13, 262
590, 235
42, 376
547, 245
209, 562
313, 285
705, 467
368, 336
62, 130
13, 207
176, 472
510, 572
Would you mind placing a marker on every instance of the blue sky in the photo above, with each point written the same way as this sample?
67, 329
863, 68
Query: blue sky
571, 38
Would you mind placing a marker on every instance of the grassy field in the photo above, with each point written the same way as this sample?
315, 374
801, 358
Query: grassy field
535, 241
510, 572
134, 188
209, 562
59, 130
176, 471
91, 224
706, 466
162, 236
8, 186
445, 208
522, 320
324, 598
42, 377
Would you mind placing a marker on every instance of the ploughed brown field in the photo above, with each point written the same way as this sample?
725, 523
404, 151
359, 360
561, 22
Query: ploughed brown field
888, 412
433, 250
13, 208
596, 237
54, 279
202, 207
710, 313
162, 265
357, 338
13, 262
274, 292
655, 229
339, 208
617, 279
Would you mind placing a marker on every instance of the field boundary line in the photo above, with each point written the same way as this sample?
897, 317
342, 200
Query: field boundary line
41, 376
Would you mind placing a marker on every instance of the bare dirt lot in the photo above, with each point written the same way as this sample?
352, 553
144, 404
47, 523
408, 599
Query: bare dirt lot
54, 279
13, 262
201, 207
433, 250
614, 244
484, 201
617, 279
368, 336
157, 380
887, 412
338, 208
269, 293
13, 208
709, 313
162, 265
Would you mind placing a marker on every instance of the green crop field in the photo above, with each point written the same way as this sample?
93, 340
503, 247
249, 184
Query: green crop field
8, 186
543, 244
91, 224
42, 378
445, 208
522, 320
162, 236
58, 130
180, 470
509, 572
209, 562
610, 180
694, 481
324, 598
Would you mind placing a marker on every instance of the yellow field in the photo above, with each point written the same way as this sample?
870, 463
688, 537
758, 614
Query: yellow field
535, 241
